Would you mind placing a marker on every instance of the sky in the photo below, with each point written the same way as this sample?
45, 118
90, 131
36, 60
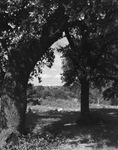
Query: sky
51, 76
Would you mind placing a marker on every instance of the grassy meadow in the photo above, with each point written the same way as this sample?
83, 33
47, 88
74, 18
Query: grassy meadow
56, 123
51, 125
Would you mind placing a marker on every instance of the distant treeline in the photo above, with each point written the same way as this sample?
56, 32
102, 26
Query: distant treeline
62, 92
55, 92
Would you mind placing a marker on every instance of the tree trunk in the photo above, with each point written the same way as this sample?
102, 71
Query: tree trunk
13, 98
21, 62
84, 98
84, 112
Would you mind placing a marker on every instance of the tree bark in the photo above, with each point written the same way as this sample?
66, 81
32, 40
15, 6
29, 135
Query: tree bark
84, 98
21, 62
84, 112
13, 98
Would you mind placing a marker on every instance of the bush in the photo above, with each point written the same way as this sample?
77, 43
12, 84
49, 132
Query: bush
52, 92
114, 101
59, 93
46, 93
34, 101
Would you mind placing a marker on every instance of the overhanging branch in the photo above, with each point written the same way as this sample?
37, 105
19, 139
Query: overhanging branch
69, 39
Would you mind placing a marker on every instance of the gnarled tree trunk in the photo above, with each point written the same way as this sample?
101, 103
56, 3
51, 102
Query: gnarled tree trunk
13, 98
21, 62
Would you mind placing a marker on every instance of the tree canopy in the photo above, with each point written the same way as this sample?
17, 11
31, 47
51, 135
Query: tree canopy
28, 28
92, 49
23, 20
91, 56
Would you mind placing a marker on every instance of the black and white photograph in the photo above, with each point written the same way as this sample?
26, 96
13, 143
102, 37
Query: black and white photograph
58, 74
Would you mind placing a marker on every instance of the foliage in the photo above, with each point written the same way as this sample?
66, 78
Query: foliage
52, 92
31, 92
64, 93
92, 51
95, 96
111, 93
22, 21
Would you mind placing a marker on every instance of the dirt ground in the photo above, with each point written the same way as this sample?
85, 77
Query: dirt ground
56, 124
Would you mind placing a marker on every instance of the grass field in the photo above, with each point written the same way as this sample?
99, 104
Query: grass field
51, 126
54, 122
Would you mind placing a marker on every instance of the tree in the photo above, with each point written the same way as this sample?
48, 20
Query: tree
27, 30
31, 91
111, 93
91, 56
31, 28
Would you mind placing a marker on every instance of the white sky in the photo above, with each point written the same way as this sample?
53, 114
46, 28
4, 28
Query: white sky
51, 76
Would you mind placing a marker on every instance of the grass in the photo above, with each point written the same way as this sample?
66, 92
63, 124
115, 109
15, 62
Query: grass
51, 128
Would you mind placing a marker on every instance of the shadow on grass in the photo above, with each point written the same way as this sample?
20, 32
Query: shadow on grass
63, 126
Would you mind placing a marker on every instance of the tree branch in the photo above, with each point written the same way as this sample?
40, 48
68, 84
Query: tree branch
54, 27
69, 39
